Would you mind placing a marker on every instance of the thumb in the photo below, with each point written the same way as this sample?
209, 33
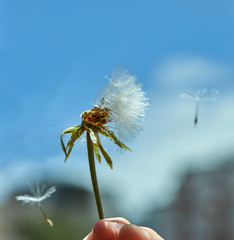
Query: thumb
106, 230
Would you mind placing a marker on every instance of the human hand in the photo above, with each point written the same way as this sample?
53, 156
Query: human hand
120, 229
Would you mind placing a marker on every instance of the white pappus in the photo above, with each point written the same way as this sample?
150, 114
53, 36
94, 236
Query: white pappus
126, 103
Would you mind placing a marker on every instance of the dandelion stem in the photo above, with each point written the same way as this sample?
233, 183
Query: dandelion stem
94, 176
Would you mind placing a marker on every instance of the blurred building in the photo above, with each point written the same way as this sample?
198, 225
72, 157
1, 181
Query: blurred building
203, 208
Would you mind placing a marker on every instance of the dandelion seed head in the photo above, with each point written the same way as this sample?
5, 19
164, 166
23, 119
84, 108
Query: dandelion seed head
123, 104
121, 107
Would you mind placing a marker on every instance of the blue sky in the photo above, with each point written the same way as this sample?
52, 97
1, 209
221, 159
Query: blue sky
53, 59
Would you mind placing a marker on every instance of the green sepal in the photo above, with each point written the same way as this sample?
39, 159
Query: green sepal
68, 130
105, 155
97, 152
76, 132
70, 145
94, 139
71, 129
62, 144
111, 135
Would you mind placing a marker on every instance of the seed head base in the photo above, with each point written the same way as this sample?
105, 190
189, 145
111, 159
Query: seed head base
96, 116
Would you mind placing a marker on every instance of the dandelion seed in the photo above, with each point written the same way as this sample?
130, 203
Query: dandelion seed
199, 96
123, 106
38, 196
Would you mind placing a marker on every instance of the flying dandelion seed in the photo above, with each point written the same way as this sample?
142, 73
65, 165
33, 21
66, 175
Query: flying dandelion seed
123, 106
38, 196
199, 96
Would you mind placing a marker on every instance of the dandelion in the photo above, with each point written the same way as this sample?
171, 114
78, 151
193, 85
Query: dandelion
38, 196
122, 106
199, 96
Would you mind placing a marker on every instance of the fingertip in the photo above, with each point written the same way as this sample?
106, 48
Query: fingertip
119, 220
104, 231
130, 231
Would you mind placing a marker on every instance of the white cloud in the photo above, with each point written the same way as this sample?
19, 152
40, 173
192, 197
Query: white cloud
189, 71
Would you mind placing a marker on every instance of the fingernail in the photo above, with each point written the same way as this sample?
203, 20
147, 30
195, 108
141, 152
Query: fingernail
147, 236
116, 225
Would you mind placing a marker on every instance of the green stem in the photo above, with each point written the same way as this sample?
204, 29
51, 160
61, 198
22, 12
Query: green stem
94, 176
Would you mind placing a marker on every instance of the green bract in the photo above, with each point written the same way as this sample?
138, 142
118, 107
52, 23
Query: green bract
78, 130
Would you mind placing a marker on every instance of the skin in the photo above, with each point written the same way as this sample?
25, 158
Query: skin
120, 229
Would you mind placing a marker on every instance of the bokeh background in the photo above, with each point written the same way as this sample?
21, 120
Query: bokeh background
54, 56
